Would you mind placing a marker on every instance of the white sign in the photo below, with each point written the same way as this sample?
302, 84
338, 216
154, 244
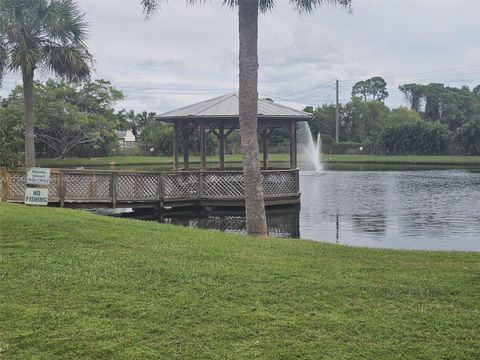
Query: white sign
36, 196
38, 176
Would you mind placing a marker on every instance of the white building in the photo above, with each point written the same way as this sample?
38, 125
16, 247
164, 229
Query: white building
126, 139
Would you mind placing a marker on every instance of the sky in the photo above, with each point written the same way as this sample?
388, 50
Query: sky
185, 54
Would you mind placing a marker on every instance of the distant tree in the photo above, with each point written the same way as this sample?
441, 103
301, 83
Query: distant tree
361, 88
323, 122
417, 138
476, 90
157, 135
11, 134
70, 116
378, 88
403, 115
137, 121
248, 94
363, 119
375, 87
42, 33
467, 137
414, 94
433, 101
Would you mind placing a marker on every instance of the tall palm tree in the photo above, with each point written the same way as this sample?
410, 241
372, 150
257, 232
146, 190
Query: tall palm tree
45, 34
248, 94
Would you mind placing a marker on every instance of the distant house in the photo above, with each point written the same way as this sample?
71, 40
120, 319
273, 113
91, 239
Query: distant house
126, 139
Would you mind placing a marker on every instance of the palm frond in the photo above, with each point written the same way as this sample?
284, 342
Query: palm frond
307, 6
64, 22
150, 7
23, 58
3, 57
71, 62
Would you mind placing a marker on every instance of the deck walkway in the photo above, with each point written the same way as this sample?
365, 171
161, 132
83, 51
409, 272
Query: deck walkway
97, 188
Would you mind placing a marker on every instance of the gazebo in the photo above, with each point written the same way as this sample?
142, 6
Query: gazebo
219, 116
224, 187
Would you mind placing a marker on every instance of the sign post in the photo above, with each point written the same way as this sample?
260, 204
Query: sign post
36, 191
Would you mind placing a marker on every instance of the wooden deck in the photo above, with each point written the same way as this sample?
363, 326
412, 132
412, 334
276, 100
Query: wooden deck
96, 188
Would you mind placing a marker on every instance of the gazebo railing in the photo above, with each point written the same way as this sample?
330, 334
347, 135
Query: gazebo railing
114, 188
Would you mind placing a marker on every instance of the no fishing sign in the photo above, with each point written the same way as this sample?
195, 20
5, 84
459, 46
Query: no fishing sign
36, 191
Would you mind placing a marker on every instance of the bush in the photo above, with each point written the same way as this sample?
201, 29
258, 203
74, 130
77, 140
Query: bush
11, 137
467, 137
349, 147
414, 138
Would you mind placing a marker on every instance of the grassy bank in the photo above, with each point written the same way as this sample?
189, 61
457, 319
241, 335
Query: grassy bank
236, 159
77, 285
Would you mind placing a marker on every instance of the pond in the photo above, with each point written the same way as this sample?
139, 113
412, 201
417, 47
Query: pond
383, 206
427, 209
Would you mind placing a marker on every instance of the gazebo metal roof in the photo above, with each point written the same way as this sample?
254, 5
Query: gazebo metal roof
226, 106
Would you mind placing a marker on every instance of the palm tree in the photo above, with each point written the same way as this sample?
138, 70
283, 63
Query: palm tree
45, 34
248, 94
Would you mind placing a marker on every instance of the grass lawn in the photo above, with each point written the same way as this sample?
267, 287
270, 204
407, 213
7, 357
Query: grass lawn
81, 286
335, 158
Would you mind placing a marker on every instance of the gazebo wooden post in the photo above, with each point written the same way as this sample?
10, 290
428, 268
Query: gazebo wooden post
293, 145
174, 146
265, 148
221, 147
203, 147
186, 161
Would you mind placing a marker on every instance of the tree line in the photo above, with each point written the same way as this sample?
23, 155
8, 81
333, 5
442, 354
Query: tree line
439, 120
81, 121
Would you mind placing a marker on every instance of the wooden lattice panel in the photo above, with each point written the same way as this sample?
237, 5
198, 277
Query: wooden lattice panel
137, 187
181, 186
279, 183
16, 186
223, 185
87, 187
54, 186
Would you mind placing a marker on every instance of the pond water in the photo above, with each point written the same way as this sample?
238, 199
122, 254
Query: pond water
406, 207
427, 209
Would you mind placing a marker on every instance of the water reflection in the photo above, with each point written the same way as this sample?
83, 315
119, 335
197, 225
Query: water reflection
280, 222
403, 209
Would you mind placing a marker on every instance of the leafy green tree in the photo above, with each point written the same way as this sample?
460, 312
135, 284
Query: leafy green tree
71, 116
361, 89
468, 137
376, 87
418, 137
414, 94
476, 90
363, 120
157, 135
433, 101
248, 94
49, 34
11, 135
402, 115
323, 122
137, 121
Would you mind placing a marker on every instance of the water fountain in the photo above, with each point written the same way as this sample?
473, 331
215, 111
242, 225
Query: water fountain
313, 148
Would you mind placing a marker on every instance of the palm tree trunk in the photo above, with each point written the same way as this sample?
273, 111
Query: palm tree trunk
28, 118
248, 113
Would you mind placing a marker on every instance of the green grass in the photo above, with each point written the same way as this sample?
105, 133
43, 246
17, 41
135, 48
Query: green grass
404, 159
75, 285
236, 159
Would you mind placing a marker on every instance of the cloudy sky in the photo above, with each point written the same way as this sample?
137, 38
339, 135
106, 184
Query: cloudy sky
186, 54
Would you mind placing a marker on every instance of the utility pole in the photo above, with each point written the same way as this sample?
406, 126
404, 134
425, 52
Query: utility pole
336, 115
